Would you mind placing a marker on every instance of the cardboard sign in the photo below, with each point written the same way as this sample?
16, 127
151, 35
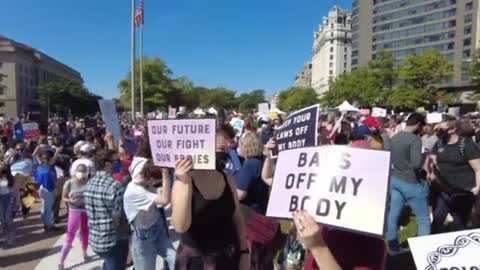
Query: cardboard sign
299, 130
171, 140
365, 112
172, 113
110, 117
448, 251
237, 125
263, 108
455, 111
379, 112
341, 186
31, 130
434, 118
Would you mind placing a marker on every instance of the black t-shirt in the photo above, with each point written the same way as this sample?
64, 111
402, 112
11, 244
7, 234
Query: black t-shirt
453, 164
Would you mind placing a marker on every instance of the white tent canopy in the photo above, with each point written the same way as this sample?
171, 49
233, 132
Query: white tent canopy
347, 107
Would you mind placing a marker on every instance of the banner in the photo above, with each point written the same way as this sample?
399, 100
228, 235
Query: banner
31, 130
299, 130
340, 186
263, 108
448, 251
379, 112
171, 140
172, 113
110, 117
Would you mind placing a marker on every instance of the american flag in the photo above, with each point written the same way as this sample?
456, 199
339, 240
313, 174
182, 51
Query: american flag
139, 15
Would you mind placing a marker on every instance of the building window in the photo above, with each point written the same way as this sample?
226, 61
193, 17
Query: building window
331, 72
345, 57
2, 91
331, 49
468, 30
468, 18
331, 34
331, 57
332, 25
465, 77
466, 53
354, 62
344, 65
469, 6
331, 41
345, 49
467, 42
450, 46
331, 65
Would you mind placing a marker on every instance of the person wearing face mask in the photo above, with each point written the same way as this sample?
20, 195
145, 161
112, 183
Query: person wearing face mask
77, 216
406, 184
455, 169
267, 130
150, 232
207, 214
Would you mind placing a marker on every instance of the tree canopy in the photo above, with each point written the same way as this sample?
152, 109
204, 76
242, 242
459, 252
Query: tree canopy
295, 98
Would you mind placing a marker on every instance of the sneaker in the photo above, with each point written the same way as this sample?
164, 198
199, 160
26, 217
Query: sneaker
395, 249
60, 266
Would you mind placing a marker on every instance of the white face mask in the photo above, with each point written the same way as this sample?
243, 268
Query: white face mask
80, 175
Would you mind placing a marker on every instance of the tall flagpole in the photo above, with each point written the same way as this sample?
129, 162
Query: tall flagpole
141, 62
132, 75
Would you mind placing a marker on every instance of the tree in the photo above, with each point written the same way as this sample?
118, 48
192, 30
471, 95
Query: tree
65, 96
219, 98
474, 69
296, 98
248, 102
383, 69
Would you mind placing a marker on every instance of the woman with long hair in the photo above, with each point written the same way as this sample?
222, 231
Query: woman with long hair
9, 201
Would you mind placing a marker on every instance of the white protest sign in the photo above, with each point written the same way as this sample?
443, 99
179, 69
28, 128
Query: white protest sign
434, 118
449, 251
237, 124
263, 108
31, 130
171, 140
110, 117
379, 112
455, 111
341, 186
172, 113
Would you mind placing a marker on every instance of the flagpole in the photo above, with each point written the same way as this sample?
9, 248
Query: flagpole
132, 72
141, 66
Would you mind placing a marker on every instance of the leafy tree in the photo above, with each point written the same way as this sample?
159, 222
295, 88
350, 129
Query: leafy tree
219, 98
296, 98
248, 102
383, 69
474, 69
64, 96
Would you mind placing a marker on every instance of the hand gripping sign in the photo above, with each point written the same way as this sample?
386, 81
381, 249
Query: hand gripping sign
341, 186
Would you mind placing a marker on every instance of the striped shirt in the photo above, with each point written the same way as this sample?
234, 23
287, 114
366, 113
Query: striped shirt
99, 197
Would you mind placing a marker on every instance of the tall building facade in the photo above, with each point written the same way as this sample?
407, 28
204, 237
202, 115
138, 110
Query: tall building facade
304, 78
331, 48
411, 26
23, 69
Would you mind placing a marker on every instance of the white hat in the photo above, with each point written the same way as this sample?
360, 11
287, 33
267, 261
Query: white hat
87, 148
76, 147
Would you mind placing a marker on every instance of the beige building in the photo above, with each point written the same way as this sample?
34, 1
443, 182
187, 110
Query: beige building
22, 69
411, 26
304, 78
331, 48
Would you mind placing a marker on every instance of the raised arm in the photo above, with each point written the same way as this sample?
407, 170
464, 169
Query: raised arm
182, 196
268, 167
163, 197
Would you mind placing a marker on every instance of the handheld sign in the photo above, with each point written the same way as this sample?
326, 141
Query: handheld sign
172, 113
341, 186
434, 118
448, 251
298, 130
379, 112
31, 130
263, 108
171, 140
110, 117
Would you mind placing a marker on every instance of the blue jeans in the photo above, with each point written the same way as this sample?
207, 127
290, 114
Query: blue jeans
416, 194
458, 205
6, 215
148, 243
48, 199
116, 257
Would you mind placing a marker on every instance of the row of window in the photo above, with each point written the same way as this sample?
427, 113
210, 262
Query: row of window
402, 4
414, 41
416, 20
412, 11
415, 31
419, 50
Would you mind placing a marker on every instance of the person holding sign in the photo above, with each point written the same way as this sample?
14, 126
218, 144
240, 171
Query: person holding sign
206, 211
455, 169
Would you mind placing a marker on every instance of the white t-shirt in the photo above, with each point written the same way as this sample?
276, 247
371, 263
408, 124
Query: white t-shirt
91, 169
139, 206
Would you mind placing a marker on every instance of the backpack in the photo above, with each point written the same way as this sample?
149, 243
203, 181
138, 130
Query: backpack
119, 217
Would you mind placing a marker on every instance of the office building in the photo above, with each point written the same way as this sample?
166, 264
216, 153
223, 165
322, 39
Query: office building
23, 69
304, 78
411, 26
331, 49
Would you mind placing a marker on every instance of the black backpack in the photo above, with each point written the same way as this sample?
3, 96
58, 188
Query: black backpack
120, 221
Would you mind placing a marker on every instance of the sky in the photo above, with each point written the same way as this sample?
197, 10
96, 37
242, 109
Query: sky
238, 44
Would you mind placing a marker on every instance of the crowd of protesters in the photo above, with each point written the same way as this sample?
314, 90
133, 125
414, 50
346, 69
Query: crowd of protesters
116, 196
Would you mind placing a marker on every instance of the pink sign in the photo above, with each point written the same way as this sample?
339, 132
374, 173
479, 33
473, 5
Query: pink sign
171, 140
365, 112
172, 113
342, 186
31, 130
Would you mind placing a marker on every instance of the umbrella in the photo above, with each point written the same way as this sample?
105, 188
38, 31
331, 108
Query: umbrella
347, 107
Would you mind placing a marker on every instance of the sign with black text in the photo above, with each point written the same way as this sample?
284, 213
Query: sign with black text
448, 251
171, 140
299, 130
341, 186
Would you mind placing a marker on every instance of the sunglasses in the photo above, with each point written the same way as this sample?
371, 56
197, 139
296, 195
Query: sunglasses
19, 149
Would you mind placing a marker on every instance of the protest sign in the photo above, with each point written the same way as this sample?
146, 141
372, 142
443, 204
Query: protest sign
172, 113
379, 112
365, 112
18, 131
171, 140
455, 111
31, 130
263, 108
340, 186
298, 130
110, 117
237, 125
448, 251
434, 118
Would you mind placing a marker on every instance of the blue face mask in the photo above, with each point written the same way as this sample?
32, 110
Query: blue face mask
117, 167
